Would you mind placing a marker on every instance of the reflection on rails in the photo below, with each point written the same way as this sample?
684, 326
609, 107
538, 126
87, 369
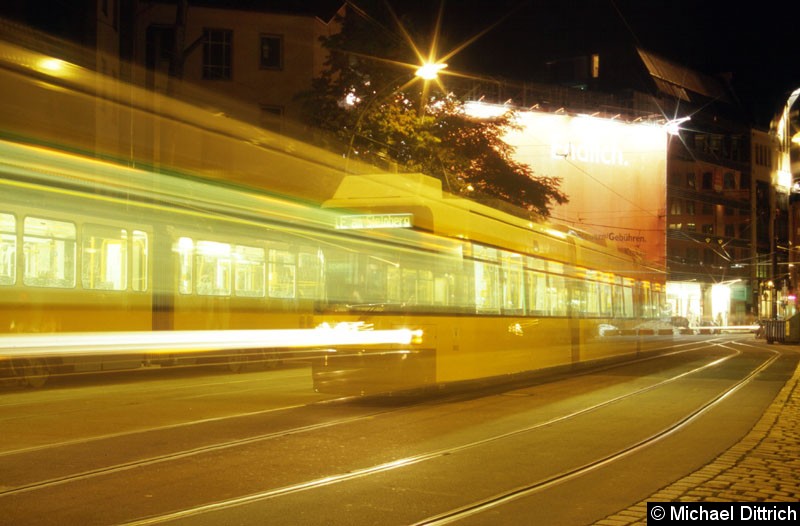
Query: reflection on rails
104, 235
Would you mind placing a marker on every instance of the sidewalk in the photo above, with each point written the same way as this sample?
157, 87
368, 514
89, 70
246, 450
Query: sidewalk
764, 466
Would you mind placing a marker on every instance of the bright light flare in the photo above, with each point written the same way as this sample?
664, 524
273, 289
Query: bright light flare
342, 334
673, 127
430, 71
52, 65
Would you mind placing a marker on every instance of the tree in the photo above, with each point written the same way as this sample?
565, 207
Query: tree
368, 98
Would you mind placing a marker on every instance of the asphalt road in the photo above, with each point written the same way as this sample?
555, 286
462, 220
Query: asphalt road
260, 447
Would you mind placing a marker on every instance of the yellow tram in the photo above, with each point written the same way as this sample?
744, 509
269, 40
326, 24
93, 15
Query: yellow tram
174, 226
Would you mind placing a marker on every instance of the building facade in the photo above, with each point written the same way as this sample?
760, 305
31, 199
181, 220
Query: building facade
260, 54
725, 215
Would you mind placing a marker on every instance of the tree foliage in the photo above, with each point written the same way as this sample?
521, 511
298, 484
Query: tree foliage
368, 97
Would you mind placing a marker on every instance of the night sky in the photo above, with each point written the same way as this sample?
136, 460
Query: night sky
756, 44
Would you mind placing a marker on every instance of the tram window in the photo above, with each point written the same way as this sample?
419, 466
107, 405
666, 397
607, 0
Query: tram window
341, 271
537, 293
425, 287
598, 294
605, 298
185, 250
592, 298
487, 293
627, 292
410, 287
579, 297
8, 249
442, 285
372, 287
282, 274
559, 289
484, 253
394, 289
618, 301
462, 290
249, 269
513, 288
213, 268
309, 275
558, 294
49, 253
646, 300
139, 261
104, 261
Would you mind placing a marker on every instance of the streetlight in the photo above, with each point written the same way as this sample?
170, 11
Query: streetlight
429, 70
673, 126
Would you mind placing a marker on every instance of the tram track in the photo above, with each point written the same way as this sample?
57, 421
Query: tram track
230, 417
477, 507
406, 461
521, 492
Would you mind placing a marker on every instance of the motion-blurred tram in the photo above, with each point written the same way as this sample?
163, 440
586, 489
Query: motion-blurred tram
494, 294
94, 241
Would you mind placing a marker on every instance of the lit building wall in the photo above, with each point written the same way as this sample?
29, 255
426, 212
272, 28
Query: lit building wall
613, 172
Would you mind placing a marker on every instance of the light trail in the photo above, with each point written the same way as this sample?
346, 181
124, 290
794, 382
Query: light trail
342, 334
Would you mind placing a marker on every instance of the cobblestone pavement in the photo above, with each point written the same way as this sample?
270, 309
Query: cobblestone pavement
764, 466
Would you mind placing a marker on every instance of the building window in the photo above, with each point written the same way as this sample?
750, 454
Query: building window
271, 52
675, 207
708, 229
744, 181
730, 230
700, 143
707, 180
707, 209
217, 54
690, 180
729, 181
690, 208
